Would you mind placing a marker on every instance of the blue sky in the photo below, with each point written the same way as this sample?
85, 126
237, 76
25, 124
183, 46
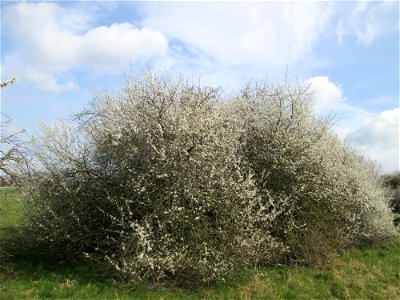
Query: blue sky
63, 52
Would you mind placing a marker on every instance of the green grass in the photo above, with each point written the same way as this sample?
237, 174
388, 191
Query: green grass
24, 273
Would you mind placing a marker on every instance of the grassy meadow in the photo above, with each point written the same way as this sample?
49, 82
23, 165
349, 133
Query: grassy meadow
27, 274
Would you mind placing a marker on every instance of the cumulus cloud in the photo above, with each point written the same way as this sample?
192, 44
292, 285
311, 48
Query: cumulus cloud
46, 81
375, 134
51, 39
382, 129
325, 93
379, 138
329, 100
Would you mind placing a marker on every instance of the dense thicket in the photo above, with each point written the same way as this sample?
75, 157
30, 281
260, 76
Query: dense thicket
166, 179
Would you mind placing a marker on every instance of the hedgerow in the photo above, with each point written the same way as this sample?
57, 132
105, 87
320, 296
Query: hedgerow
167, 179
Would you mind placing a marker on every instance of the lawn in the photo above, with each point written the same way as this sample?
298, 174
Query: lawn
24, 273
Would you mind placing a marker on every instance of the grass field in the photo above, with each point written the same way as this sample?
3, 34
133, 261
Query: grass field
366, 274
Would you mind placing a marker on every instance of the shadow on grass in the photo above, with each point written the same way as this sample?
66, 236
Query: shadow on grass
20, 258
24, 267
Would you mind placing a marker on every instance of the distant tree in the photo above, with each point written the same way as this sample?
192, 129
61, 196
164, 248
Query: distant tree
12, 149
392, 182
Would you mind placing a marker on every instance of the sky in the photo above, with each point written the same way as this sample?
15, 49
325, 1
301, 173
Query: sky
62, 53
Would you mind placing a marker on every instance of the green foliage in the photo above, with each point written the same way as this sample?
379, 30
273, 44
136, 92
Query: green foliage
166, 180
392, 180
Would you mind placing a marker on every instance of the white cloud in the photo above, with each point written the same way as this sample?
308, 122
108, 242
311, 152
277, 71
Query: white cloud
379, 137
375, 134
325, 93
41, 76
53, 39
251, 33
367, 20
46, 81
329, 100
382, 129
103, 46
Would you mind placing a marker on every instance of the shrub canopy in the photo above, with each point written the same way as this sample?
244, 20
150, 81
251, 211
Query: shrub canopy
168, 179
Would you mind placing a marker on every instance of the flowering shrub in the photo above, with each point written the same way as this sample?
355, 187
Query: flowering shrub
329, 197
149, 181
166, 180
